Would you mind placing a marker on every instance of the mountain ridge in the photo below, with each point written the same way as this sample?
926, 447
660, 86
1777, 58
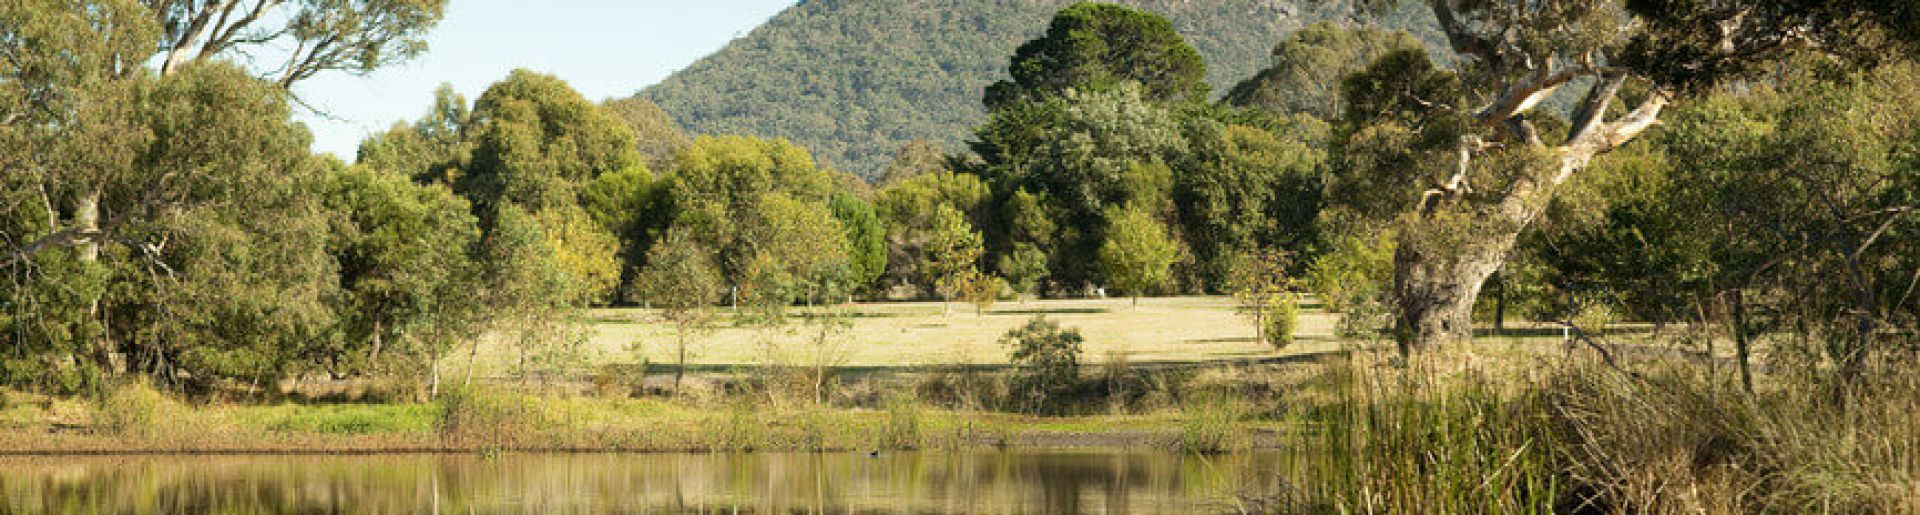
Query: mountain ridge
853, 80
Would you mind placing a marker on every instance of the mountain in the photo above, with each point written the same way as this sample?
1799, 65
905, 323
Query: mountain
853, 80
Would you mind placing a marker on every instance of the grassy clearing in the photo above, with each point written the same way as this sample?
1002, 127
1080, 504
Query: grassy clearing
909, 334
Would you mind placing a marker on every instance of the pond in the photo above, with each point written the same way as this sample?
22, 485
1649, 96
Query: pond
992, 481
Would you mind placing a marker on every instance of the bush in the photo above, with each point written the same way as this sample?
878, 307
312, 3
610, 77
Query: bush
1209, 423
133, 409
1283, 315
738, 430
1048, 364
484, 416
903, 426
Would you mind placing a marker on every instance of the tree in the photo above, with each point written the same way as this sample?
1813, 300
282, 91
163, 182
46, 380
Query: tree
1023, 268
165, 211
626, 204
908, 210
981, 290
797, 251
656, 136
1259, 282
536, 141
915, 158
1308, 67
681, 281
866, 240
1083, 153
1485, 170
355, 36
719, 192
1138, 256
1096, 47
529, 293
1244, 188
430, 149
407, 274
1048, 361
952, 253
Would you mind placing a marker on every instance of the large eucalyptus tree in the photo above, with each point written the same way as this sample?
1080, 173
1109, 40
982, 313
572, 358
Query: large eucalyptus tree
1484, 161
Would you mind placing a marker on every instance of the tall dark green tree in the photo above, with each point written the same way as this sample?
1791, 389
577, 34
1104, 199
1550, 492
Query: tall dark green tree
1097, 47
1308, 67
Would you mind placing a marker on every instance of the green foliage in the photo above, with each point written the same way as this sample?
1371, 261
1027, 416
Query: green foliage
658, 139
1309, 66
681, 280
1097, 47
135, 409
536, 141
915, 158
953, 253
1210, 423
430, 149
763, 209
487, 417
1023, 268
1244, 188
854, 81
866, 240
1138, 255
905, 425
406, 273
1261, 286
1351, 277
795, 251
909, 208
1049, 364
1081, 154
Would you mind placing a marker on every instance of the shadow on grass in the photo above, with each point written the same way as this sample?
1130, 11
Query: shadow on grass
1519, 332
1050, 311
1221, 359
1229, 339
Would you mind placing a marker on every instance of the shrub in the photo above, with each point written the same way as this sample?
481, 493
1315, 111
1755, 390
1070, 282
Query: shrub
1048, 364
902, 430
133, 409
1283, 315
1209, 423
738, 429
484, 416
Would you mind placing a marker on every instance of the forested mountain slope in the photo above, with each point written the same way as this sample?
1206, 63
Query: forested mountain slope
853, 80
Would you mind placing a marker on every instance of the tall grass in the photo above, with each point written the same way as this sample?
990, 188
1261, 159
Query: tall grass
1210, 423
1444, 435
487, 417
1393, 441
135, 409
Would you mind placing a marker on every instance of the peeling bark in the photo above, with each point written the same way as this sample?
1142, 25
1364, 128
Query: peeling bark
1437, 279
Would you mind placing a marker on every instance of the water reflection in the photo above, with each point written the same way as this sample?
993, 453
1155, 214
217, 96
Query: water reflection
1099, 481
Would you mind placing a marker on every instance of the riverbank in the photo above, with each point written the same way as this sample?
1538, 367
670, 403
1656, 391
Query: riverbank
1362, 431
135, 420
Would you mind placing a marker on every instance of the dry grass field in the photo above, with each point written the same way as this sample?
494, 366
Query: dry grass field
905, 334
1158, 330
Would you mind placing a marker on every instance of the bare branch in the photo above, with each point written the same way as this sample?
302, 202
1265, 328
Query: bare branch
1528, 94
1593, 110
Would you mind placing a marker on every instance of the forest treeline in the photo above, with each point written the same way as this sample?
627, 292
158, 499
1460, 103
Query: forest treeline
165, 217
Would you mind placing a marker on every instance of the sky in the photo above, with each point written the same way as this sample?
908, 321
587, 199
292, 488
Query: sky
604, 48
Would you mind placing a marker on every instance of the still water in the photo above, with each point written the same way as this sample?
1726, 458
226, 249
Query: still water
1021, 481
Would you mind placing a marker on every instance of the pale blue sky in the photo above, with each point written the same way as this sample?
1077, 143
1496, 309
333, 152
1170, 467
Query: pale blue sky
604, 48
